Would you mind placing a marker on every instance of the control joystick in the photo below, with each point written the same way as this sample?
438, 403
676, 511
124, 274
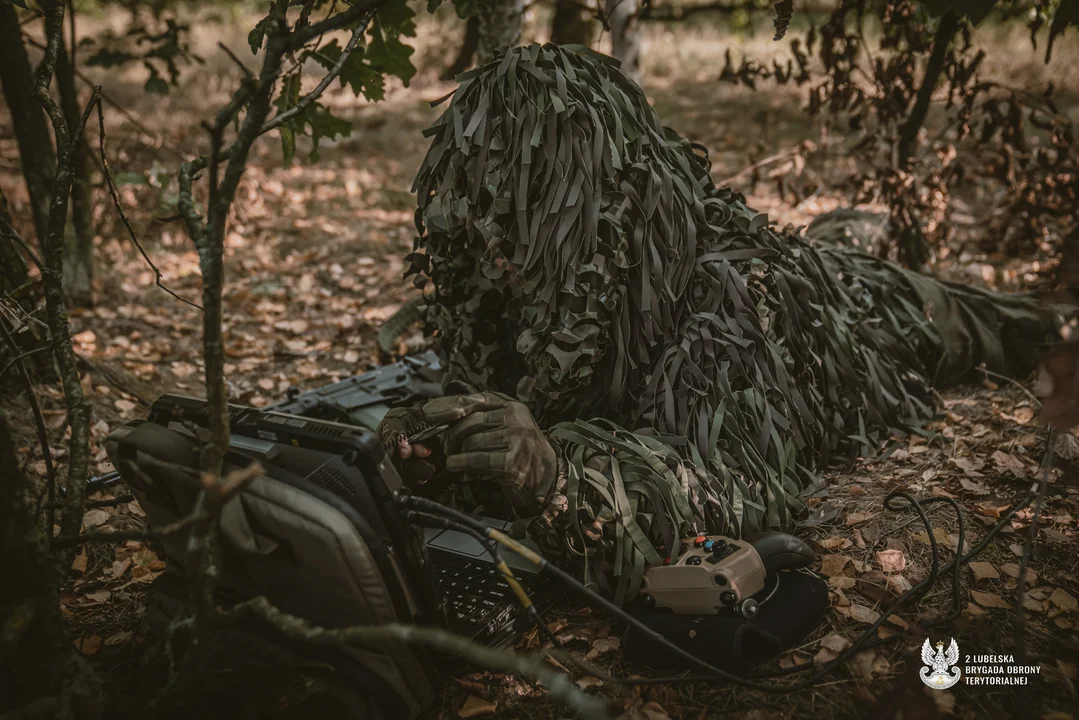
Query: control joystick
712, 574
716, 574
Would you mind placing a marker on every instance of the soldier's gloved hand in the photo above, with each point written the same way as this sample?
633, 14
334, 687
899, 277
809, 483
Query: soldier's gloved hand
490, 435
416, 461
500, 440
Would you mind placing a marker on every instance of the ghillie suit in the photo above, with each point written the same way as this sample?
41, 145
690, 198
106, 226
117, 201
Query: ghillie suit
694, 367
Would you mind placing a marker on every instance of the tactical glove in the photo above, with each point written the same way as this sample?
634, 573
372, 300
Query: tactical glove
490, 435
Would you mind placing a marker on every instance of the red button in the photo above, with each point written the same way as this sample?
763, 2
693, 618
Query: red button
699, 541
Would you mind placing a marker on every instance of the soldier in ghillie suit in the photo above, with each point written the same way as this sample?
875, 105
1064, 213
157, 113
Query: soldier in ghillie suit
691, 368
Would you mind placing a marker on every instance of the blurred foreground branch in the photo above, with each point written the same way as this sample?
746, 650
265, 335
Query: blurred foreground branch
559, 685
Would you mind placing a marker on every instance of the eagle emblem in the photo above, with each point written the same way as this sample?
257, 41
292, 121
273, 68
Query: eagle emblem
935, 672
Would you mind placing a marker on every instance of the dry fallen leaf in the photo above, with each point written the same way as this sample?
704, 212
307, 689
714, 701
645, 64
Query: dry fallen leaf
94, 518
824, 656
863, 614
88, 644
974, 487
119, 638
989, 600
588, 682
835, 543
858, 517
892, 561
792, 660
832, 565
835, 642
603, 646
1064, 600
938, 534
983, 571
475, 706
967, 465
124, 406
1006, 462
841, 582
1033, 604
898, 584
99, 596
1012, 571
79, 564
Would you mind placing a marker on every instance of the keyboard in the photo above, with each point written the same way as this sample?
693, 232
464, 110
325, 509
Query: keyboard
477, 601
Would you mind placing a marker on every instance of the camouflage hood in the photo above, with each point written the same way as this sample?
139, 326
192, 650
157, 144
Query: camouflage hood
559, 220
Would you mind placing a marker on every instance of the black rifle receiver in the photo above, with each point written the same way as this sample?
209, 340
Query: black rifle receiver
363, 400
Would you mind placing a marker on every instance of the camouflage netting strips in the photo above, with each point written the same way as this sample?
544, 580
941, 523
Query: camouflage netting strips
582, 258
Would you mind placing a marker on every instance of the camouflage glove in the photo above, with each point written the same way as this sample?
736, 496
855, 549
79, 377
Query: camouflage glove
415, 461
503, 442
490, 435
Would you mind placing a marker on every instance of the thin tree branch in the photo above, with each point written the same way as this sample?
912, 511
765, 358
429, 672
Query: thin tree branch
128, 115
111, 502
205, 514
559, 685
21, 357
52, 276
123, 216
14, 235
39, 422
70, 541
246, 71
190, 169
301, 36
302, 105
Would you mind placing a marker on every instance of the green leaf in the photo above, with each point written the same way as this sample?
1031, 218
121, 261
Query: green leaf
388, 54
258, 34
323, 124
397, 19
290, 95
433, 5
356, 73
130, 178
109, 58
155, 84
973, 10
1067, 14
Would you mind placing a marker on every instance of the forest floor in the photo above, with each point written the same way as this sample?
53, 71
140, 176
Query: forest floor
314, 265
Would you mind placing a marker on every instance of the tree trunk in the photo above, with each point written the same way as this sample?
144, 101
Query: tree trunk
31, 131
572, 23
79, 249
500, 26
468, 49
43, 675
908, 133
621, 16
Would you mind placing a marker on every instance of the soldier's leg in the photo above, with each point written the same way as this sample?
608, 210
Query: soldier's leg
950, 328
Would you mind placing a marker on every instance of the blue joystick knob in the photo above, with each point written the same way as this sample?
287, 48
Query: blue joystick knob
709, 544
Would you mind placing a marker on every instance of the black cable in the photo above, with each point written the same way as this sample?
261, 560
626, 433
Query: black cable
431, 520
915, 593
